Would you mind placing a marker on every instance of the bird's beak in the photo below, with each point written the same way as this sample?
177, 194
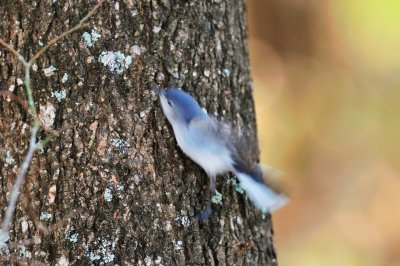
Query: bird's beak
157, 90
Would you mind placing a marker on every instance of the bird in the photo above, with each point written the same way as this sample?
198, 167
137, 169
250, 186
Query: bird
215, 147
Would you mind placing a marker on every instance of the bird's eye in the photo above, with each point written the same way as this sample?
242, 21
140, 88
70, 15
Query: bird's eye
169, 103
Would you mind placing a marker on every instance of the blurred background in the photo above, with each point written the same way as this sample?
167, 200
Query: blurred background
327, 93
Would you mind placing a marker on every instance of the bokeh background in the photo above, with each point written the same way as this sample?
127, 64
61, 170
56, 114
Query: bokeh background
327, 92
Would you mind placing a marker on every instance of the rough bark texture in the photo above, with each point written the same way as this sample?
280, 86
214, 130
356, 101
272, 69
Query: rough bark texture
116, 162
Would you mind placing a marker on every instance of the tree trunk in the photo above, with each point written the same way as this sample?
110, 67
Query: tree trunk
114, 188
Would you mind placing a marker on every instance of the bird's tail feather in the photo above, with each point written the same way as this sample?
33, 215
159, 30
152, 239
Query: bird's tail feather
263, 197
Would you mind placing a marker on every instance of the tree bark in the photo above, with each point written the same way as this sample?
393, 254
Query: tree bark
114, 188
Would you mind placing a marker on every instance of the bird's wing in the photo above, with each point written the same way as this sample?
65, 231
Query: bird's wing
208, 127
222, 133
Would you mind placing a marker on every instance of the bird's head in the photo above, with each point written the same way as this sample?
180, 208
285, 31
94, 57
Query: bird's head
178, 106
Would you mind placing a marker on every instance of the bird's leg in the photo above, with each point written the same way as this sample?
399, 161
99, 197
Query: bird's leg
206, 214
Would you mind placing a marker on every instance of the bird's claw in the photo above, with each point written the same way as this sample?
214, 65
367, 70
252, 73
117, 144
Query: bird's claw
205, 215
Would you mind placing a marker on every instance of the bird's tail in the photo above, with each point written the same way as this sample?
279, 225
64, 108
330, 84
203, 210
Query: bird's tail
264, 197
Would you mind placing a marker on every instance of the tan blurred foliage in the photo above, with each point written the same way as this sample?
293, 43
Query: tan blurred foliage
327, 91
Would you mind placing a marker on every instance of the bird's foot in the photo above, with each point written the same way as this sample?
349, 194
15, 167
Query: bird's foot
205, 214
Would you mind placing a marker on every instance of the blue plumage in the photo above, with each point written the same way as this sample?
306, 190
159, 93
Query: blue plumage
209, 143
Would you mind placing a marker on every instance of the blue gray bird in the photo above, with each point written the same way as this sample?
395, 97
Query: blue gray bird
213, 145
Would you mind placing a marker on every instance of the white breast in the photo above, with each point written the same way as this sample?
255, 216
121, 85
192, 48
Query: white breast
212, 155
